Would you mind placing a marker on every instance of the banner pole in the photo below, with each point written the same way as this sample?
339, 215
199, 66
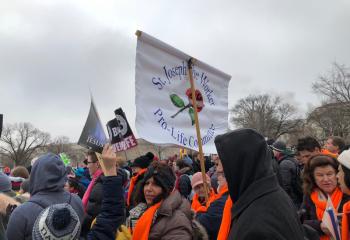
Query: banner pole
199, 139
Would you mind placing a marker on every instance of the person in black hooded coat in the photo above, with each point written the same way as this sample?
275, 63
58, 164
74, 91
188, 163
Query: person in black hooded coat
261, 208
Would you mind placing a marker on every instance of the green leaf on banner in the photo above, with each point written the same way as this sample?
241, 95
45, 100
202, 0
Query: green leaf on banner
65, 159
177, 101
191, 112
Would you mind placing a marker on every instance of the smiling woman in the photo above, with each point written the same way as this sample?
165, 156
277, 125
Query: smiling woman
320, 183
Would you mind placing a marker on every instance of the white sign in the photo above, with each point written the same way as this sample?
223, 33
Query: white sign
164, 110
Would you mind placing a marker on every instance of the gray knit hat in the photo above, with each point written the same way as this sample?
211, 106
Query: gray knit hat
59, 222
5, 183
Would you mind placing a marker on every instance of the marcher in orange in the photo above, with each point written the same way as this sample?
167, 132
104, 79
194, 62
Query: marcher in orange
334, 144
319, 182
212, 220
166, 214
139, 167
199, 203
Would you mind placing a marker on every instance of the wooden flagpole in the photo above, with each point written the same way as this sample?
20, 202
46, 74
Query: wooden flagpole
199, 138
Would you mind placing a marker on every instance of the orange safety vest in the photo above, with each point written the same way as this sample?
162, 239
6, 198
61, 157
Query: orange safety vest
132, 184
143, 225
321, 205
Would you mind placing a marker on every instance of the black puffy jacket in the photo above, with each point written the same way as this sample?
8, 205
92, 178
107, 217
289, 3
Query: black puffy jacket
93, 206
112, 211
289, 178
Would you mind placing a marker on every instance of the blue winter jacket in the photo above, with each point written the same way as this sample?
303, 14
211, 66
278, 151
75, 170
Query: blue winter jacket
211, 219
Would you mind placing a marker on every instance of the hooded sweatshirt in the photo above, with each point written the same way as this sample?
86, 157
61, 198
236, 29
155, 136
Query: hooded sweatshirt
261, 209
47, 180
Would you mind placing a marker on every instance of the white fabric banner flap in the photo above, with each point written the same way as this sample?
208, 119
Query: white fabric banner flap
164, 110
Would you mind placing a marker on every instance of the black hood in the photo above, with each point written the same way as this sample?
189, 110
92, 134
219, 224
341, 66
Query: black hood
245, 158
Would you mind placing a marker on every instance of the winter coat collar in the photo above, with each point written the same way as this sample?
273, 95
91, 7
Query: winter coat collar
255, 190
172, 203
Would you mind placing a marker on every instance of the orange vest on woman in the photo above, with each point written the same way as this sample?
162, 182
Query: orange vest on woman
345, 222
198, 207
321, 205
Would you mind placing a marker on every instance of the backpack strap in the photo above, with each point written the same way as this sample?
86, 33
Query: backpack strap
43, 206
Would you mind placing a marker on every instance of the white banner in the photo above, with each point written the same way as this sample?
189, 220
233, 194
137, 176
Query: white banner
164, 111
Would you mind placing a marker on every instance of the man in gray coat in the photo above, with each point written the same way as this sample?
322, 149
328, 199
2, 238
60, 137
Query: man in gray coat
47, 180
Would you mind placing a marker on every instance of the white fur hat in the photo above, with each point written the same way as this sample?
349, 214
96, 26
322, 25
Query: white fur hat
344, 158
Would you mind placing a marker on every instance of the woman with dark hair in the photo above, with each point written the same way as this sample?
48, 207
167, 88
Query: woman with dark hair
344, 182
319, 183
162, 212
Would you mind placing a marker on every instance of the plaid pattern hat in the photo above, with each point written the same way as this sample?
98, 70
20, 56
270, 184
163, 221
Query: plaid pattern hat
59, 222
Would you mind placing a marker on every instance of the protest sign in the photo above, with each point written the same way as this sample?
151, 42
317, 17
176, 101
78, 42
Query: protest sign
93, 137
330, 220
120, 133
164, 101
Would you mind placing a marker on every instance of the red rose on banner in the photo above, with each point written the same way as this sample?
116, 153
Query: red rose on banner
199, 99
178, 102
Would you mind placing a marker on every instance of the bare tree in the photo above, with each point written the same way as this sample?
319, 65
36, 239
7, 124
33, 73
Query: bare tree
332, 118
59, 145
62, 144
19, 142
335, 85
269, 115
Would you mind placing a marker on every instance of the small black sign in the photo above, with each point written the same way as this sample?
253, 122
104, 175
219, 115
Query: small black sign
120, 132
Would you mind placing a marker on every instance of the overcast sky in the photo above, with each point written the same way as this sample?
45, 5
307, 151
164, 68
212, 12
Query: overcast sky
53, 52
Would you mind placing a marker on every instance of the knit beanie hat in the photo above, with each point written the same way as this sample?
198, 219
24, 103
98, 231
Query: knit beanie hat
344, 159
198, 179
162, 174
58, 221
279, 146
187, 160
150, 155
143, 161
5, 183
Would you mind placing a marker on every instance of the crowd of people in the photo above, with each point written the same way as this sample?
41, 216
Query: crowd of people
253, 189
